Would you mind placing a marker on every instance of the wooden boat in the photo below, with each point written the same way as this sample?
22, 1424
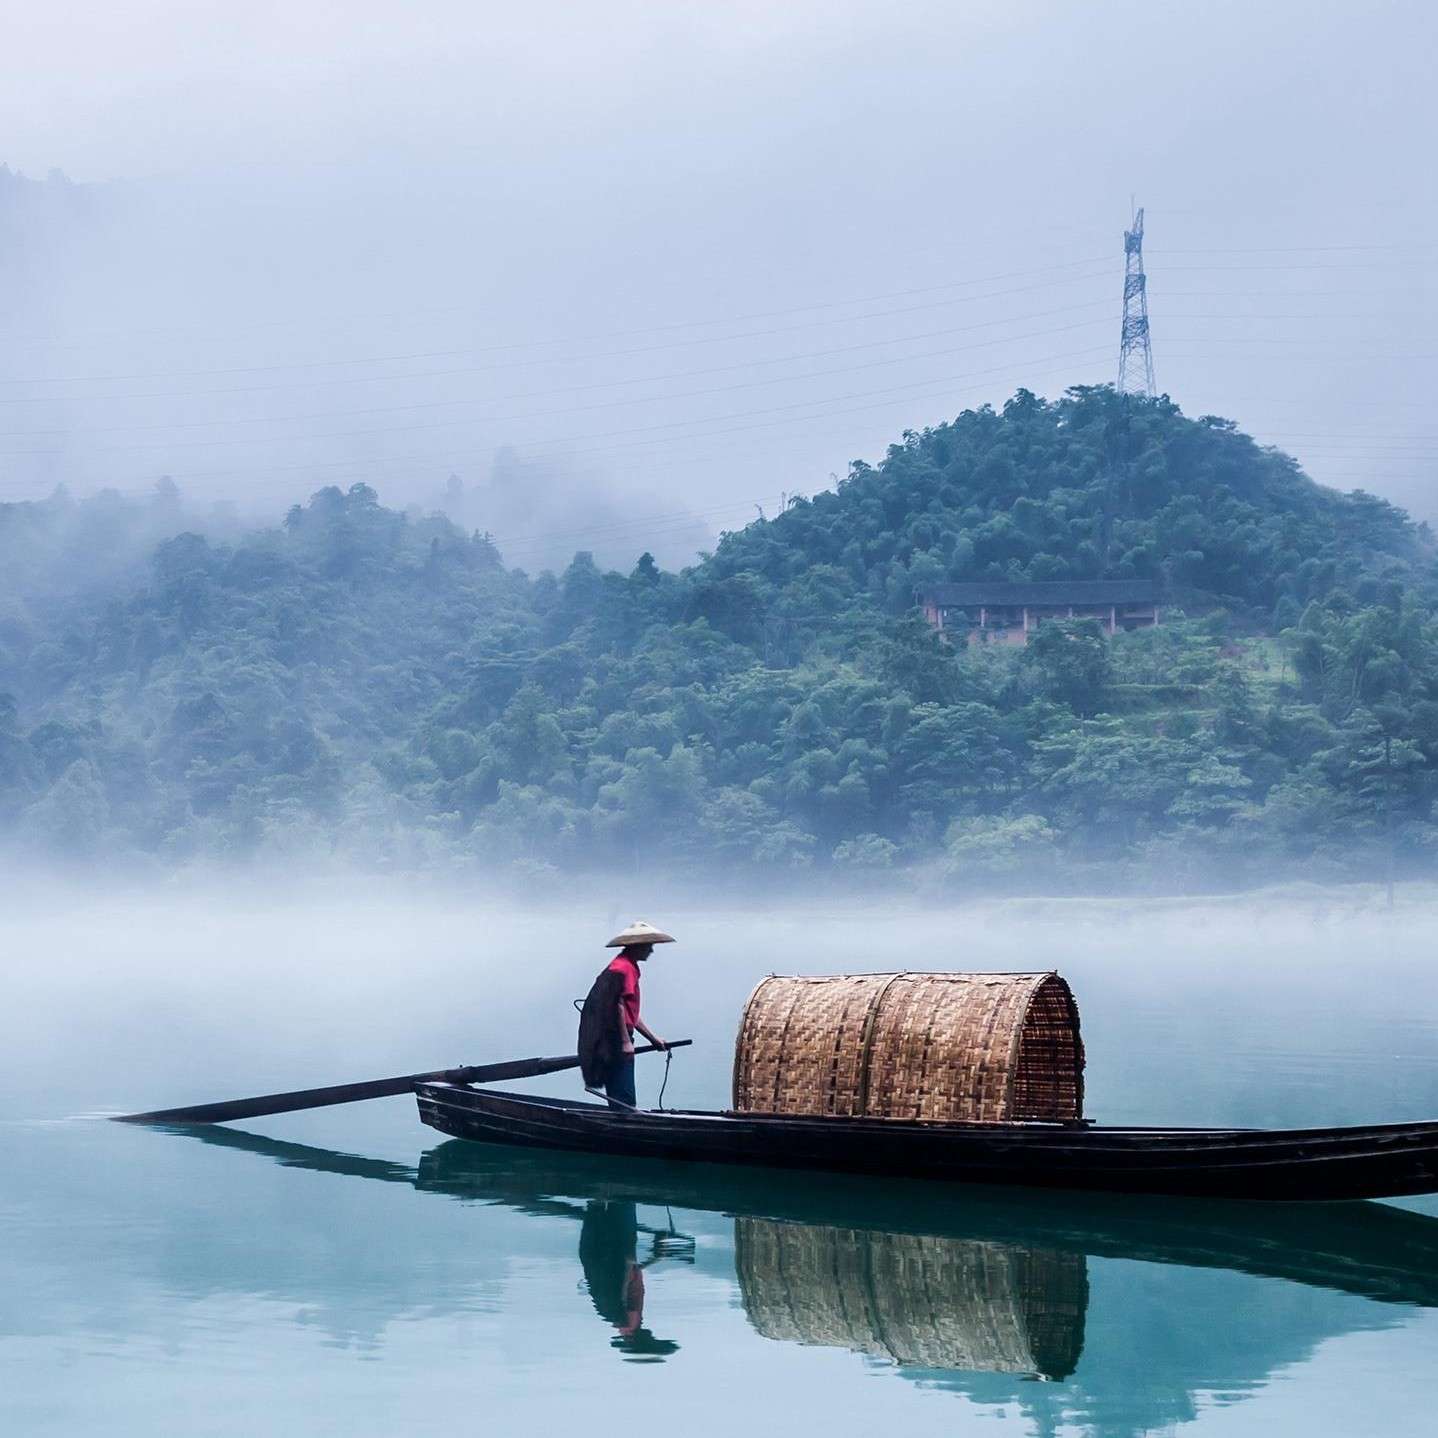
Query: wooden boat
965, 1077
1373, 1161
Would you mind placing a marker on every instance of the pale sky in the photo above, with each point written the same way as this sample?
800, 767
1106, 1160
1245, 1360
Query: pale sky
699, 254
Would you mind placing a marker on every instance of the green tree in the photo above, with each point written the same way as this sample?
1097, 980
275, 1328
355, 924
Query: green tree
1071, 664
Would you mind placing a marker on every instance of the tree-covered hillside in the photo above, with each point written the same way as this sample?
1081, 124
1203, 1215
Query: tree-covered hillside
1091, 487
380, 686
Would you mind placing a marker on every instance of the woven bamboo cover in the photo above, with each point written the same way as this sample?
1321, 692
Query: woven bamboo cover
915, 1299
940, 1047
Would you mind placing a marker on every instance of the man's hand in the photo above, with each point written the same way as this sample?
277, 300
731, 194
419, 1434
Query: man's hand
651, 1036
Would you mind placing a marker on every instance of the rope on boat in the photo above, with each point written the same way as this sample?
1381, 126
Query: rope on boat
634, 1108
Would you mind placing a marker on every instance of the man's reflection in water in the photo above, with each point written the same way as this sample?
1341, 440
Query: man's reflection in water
614, 1273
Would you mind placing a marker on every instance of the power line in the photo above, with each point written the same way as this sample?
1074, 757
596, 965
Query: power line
479, 369
468, 350
575, 409
745, 364
589, 358
1298, 348
687, 324
1302, 249
1313, 434
1286, 269
897, 394
13, 337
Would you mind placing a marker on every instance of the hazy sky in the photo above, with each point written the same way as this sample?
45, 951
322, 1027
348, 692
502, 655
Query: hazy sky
692, 256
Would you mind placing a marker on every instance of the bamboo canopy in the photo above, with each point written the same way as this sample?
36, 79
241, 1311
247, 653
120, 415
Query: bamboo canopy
953, 1047
916, 1299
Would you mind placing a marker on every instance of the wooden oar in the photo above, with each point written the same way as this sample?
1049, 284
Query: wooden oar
355, 1092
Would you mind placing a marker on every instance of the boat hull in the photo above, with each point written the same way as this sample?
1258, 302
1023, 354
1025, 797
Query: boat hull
1377, 1161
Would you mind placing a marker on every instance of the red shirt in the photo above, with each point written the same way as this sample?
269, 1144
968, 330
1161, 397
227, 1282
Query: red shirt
628, 970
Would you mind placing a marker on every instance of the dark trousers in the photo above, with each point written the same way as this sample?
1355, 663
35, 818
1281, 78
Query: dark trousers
620, 1083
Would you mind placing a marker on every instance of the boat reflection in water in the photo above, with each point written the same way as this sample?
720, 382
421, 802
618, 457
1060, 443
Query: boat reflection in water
1136, 1307
915, 1299
922, 1299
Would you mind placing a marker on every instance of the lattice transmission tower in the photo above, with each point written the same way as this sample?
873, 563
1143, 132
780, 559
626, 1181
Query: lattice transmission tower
1135, 354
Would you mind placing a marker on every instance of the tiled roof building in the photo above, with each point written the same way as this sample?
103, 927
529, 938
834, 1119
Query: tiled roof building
1002, 612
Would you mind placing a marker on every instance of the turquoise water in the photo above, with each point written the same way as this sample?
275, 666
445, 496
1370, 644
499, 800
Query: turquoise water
349, 1271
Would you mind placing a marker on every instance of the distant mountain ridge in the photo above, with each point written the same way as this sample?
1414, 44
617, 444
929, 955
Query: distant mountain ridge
364, 684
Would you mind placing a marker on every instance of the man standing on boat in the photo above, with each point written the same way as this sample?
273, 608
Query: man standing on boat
610, 1016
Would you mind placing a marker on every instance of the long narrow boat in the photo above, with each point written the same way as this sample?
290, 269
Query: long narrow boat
1374, 1161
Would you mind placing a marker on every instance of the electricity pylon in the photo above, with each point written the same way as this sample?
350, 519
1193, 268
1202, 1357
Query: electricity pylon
1135, 355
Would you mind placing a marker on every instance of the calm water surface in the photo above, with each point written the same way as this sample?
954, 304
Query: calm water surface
351, 1272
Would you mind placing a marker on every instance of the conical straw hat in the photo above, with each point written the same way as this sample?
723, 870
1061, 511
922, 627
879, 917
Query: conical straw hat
639, 933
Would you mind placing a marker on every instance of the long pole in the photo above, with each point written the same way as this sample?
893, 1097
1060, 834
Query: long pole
298, 1099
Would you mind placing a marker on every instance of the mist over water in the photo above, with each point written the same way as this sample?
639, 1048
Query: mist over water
318, 1263
1259, 1011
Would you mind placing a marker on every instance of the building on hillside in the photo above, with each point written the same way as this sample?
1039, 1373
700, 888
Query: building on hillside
1007, 613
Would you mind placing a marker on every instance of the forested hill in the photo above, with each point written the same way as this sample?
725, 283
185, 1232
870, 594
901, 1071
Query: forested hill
380, 687
1091, 487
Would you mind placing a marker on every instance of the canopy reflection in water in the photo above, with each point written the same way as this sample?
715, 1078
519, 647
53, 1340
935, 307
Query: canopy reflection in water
1183, 1299
918, 1299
